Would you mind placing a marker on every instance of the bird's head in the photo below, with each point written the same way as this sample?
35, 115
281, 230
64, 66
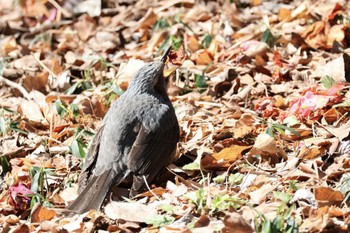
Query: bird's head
150, 77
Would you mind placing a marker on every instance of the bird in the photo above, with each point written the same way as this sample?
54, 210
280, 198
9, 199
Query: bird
137, 138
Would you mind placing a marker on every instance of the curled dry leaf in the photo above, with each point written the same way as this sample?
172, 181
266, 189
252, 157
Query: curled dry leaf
304, 196
253, 48
19, 196
259, 195
127, 71
12, 219
266, 146
224, 158
177, 57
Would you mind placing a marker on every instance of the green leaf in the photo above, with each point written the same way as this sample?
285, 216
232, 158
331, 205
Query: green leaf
346, 103
346, 199
176, 42
160, 24
9, 110
60, 108
3, 126
220, 178
267, 228
35, 182
288, 213
1, 66
5, 165
277, 224
345, 186
279, 126
77, 149
268, 38
164, 45
292, 226
192, 166
207, 41
200, 80
269, 131
160, 220
236, 178
85, 85
166, 208
327, 81
291, 120
36, 198
75, 110
72, 89
15, 127
293, 185
284, 197
111, 98
117, 90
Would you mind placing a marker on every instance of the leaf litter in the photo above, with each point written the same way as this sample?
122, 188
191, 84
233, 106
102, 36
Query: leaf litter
261, 93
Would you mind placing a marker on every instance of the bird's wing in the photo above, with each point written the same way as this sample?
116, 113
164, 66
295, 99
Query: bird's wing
90, 160
153, 149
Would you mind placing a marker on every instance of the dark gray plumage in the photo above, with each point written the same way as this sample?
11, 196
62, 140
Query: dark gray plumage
138, 137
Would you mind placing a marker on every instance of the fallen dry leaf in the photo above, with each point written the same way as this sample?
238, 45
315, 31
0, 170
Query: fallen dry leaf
126, 211
224, 158
177, 57
41, 213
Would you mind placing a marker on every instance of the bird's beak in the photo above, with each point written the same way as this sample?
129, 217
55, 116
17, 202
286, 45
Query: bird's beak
165, 55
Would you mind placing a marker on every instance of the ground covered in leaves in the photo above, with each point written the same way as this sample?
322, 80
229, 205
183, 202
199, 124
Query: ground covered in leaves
260, 91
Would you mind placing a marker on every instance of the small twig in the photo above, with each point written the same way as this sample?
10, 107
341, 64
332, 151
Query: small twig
44, 66
208, 103
149, 189
58, 7
16, 86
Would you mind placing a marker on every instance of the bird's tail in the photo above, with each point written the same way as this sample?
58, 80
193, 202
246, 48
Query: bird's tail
93, 195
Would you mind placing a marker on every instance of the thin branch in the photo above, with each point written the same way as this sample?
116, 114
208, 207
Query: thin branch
44, 66
58, 7
149, 189
16, 86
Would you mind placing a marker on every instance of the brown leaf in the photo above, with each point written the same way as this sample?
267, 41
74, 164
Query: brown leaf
235, 223
224, 158
85, 27
148, 19
32, 111
193, 44
258, 196
42, 213
328, 194
202, 57
340, 132
336, 33
266, 145
177, 57
23, 228
203, 221
38, 82
284, 14
306, 153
